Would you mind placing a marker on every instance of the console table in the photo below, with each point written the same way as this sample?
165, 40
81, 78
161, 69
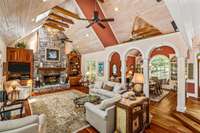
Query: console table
132, 116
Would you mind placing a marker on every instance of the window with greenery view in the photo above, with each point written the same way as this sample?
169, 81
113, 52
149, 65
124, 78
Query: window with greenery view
91, 69
160, 67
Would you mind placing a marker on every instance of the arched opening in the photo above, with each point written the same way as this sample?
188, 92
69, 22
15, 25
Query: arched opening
115, 67
162, 73
134, 67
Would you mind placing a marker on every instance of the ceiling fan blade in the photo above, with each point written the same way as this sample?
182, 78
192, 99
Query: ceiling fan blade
101, 25
90, 24
107, 20
86, 19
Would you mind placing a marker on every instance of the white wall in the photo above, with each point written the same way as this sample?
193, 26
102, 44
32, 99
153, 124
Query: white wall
145, 46
3, 51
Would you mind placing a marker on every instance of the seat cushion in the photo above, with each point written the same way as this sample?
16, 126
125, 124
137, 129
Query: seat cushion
106, 93
18, 123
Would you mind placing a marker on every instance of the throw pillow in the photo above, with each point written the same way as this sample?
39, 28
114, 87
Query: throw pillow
108, 88
117, 88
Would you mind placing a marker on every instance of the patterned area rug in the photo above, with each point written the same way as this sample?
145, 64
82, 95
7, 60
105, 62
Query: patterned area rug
62, 115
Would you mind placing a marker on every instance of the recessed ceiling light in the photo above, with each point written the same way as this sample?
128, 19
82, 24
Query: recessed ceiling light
33, 19
116, 9
87, 35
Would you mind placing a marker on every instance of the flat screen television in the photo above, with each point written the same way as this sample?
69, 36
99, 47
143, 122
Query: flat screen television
19, 67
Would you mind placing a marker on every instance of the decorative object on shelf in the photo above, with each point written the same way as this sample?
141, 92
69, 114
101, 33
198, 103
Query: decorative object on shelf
52, 54
20, 45
101, 69
138, 80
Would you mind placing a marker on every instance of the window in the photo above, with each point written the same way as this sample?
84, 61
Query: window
160, 67
91, 70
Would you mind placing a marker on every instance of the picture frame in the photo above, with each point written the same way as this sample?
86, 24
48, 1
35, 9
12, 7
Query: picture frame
52, 54
100, 69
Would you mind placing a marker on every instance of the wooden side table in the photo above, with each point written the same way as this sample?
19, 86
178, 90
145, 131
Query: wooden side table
132, 116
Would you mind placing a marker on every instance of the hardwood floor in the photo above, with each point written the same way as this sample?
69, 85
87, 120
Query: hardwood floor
162, 121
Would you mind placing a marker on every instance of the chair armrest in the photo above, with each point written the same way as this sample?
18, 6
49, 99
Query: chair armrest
94, 109
122, 91
42, 123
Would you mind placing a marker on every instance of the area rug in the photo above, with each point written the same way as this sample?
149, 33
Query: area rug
160, 97
62, 115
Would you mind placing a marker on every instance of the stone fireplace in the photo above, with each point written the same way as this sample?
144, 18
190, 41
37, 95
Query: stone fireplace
50, 72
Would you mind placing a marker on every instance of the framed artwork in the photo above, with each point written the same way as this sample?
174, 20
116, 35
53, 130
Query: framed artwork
52, 54
101, 69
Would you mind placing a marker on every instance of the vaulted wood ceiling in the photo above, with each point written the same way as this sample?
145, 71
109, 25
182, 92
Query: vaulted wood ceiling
18, 20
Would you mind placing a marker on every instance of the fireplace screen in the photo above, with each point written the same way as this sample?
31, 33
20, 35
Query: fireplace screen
51, 79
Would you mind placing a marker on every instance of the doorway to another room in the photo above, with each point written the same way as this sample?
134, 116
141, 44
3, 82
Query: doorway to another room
162, 73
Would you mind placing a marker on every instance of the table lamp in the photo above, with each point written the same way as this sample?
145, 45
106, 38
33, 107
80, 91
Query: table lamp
138, 80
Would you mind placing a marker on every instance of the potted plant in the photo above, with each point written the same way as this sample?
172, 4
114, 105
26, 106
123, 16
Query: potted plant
20, 45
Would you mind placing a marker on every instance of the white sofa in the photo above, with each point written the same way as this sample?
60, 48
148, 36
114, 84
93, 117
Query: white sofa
102, 116
97, 89
29, 124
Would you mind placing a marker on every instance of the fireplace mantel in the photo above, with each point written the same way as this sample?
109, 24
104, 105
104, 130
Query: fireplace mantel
59, 69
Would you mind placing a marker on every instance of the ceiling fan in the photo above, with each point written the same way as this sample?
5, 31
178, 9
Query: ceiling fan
96, 19
66, 39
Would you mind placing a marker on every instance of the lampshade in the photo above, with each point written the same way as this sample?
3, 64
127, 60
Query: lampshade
138, 78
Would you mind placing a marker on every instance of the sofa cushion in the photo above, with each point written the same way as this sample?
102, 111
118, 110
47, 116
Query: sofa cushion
18, 123
109, 102
108, 88
106, 93
98, 84
117, 88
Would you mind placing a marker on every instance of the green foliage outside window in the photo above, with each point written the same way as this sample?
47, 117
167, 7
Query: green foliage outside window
160, 67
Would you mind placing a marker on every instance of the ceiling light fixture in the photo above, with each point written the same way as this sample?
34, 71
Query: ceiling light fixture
87, 35
33, 19
116, 9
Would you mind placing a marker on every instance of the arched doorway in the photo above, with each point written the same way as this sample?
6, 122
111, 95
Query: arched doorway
115, 67
162, 72
134, 66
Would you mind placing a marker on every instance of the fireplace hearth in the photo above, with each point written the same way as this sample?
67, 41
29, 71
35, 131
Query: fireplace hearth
51, 79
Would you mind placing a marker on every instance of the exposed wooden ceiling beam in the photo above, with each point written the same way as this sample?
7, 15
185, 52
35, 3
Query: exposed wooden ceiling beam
57, 23
60, 18
54, 26
143, 30
151, 34
147, 32
65, 12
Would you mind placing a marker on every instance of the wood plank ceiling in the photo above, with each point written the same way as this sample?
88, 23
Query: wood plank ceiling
106, 35
17, 17
17, 20
125, 11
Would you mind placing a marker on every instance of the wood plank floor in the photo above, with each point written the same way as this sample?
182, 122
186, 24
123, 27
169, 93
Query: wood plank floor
162, 122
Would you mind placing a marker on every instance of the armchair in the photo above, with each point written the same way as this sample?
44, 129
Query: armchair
102, 120
29, 124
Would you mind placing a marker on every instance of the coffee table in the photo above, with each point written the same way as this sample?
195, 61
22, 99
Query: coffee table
80, 101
